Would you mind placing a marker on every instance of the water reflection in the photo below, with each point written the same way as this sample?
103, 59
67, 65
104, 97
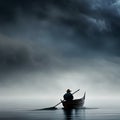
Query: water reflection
74, 114
68, 114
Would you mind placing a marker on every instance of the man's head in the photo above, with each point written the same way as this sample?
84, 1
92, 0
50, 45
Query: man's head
68, 91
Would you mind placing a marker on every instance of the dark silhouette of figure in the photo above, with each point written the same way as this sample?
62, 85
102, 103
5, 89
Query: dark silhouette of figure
68, 96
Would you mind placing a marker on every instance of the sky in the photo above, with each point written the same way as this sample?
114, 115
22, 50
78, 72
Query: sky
48, 46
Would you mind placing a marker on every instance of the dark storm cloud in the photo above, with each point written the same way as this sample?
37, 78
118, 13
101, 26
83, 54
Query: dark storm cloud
18, 54
95, 22
15, 55
70, 31
40, 8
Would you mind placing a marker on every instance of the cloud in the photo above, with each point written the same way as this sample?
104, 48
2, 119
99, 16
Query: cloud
17, 54
62, 35
93, 25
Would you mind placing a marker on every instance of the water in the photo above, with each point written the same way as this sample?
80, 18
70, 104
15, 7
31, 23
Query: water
60, 114
25, 110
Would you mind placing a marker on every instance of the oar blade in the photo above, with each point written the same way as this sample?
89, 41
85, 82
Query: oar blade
49, 108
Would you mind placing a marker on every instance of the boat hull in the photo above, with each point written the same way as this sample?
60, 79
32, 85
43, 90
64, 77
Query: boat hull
74, 104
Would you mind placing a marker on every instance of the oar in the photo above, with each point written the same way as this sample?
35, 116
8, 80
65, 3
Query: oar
54, 107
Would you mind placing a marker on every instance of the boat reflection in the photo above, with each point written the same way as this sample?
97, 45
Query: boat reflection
74, 114
68, 114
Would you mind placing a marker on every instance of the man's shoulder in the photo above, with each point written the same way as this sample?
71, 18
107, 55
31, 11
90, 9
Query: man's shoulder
65, 94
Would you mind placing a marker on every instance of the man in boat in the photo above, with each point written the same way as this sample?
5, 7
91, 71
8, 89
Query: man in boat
68, 95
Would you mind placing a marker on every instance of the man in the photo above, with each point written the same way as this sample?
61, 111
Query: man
68, 96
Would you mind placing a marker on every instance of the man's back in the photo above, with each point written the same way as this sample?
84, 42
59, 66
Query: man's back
68, 97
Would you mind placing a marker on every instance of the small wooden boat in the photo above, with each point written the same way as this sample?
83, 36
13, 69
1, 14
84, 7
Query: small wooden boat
74, 104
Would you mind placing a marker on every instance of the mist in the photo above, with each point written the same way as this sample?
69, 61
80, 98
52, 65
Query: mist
49, 46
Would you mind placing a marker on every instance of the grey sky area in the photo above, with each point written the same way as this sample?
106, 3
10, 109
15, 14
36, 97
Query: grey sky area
47, 46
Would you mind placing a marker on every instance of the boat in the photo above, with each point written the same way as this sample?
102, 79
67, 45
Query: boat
74, 104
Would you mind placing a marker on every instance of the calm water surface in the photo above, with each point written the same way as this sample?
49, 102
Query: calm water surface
60, 114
